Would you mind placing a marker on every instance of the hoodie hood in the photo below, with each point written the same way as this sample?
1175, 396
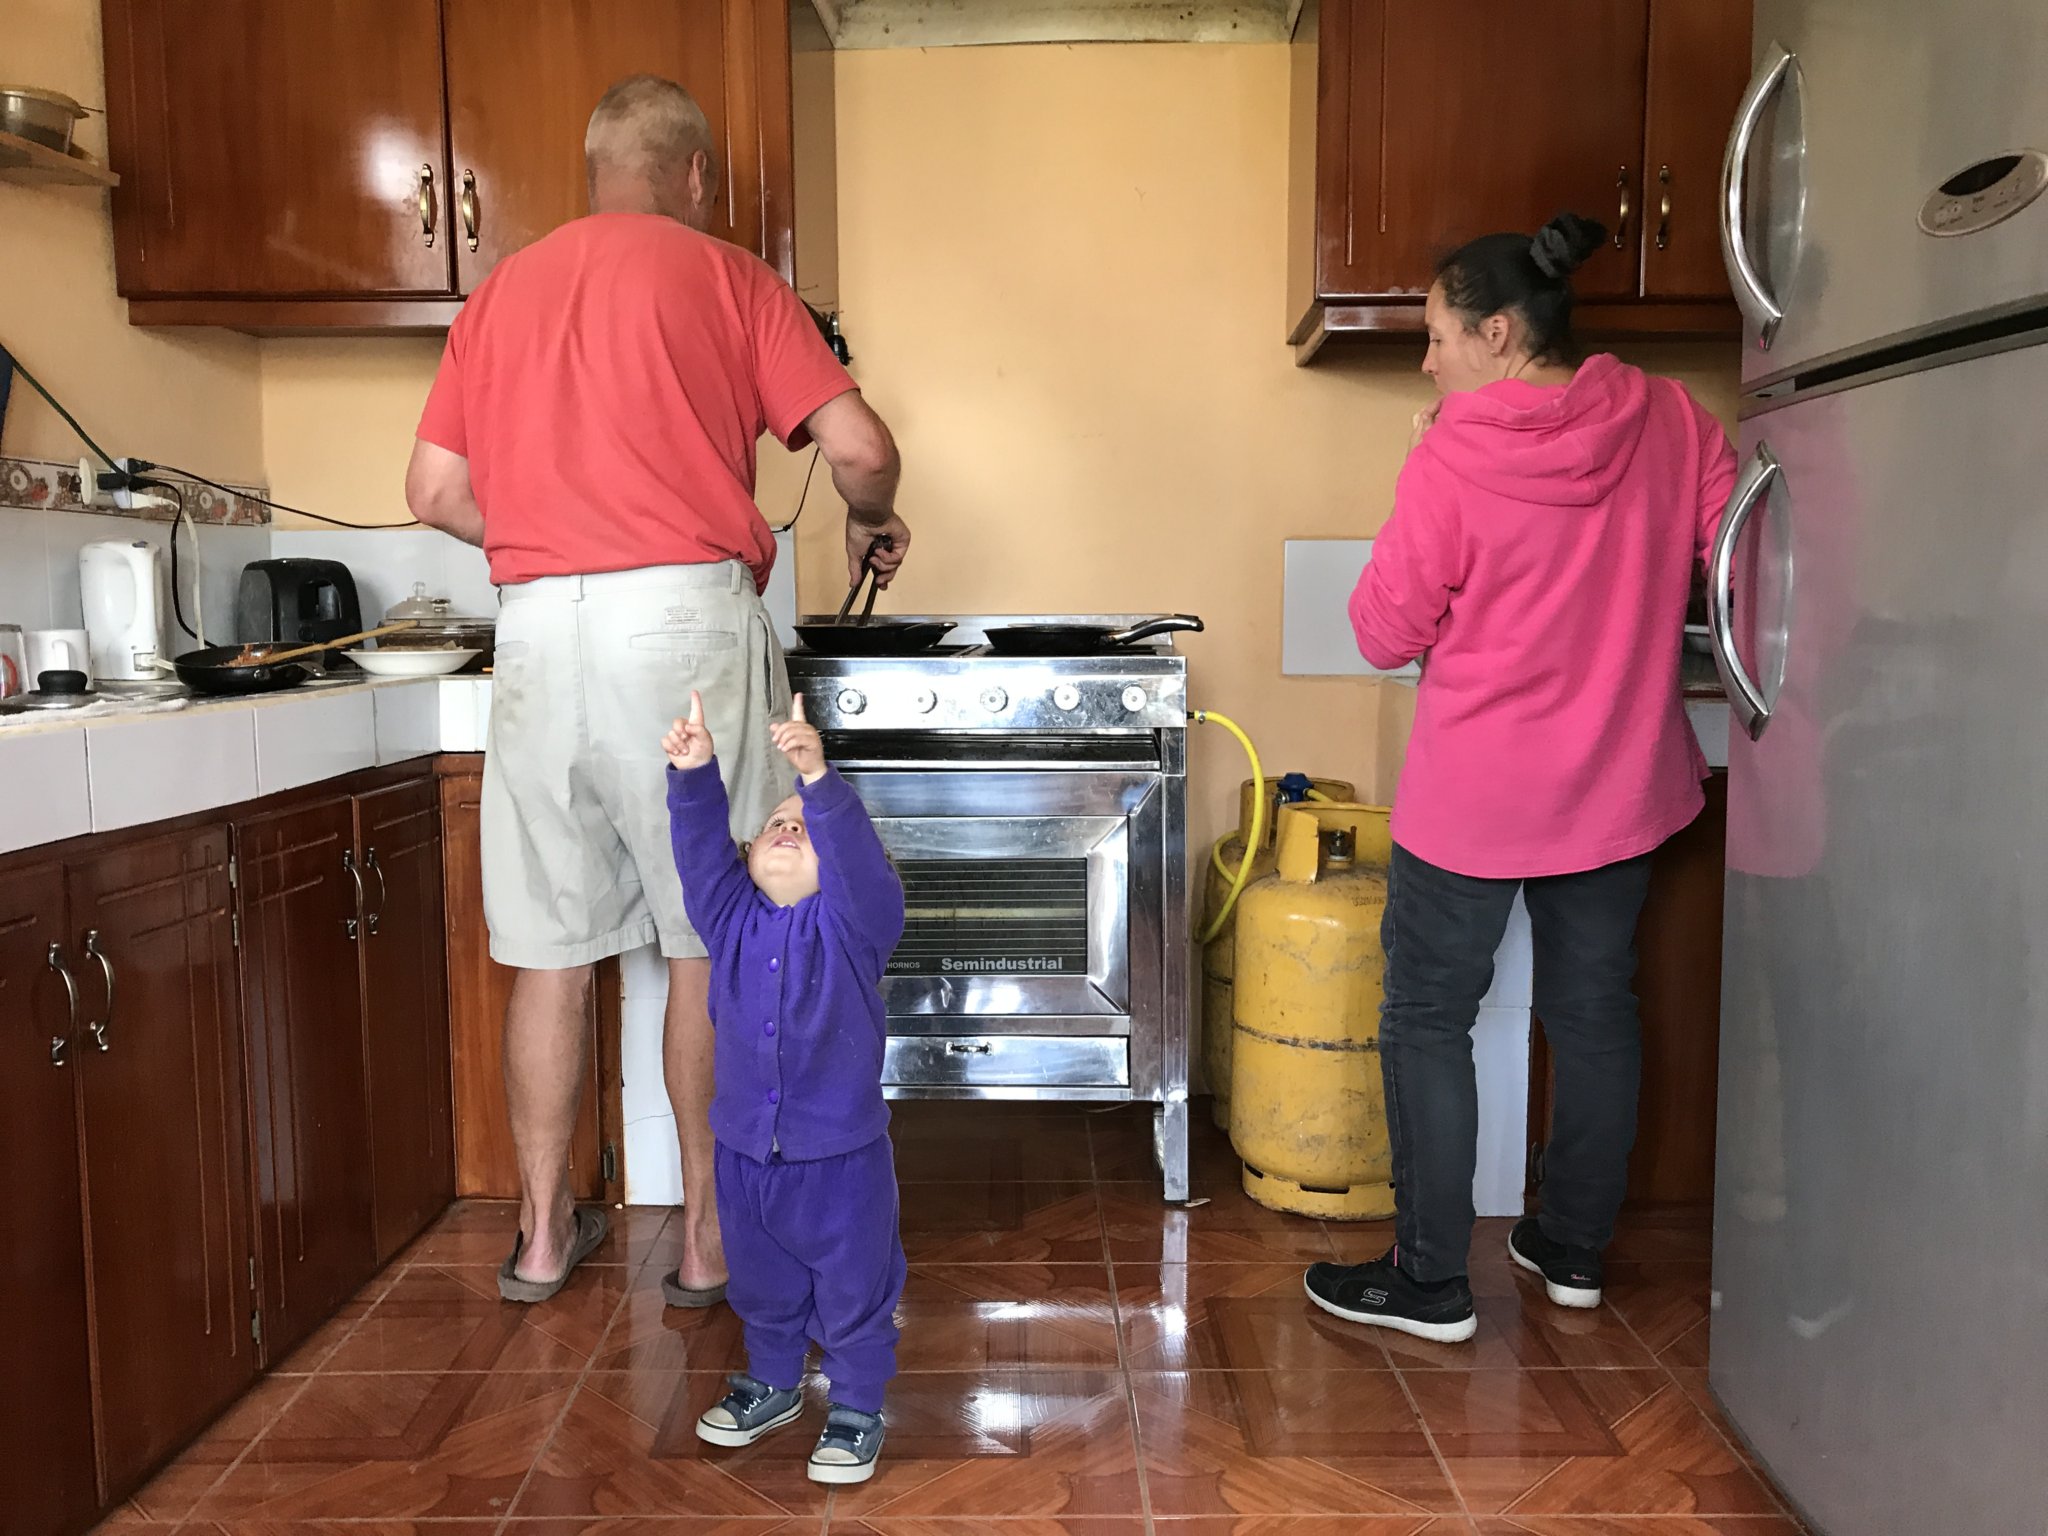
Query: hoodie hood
1563, 446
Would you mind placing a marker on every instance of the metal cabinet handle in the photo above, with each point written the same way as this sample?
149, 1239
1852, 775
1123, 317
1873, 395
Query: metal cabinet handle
472, 208
99, 1029
428, 208
1751, 711
383, 890
60, 1045
968, 1048
1664, 207
1755, 301
353, 925
1621, 226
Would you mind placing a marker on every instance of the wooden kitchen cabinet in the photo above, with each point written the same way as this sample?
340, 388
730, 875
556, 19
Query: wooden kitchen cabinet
150, 930
300, 168
303, 1024
486, 1163
276, 151
1403, 152
48, 1474
1699, 66
522, 80
1678, 989
405, 1011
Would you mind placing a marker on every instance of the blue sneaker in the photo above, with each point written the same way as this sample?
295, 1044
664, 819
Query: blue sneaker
848, 1448
750, 1410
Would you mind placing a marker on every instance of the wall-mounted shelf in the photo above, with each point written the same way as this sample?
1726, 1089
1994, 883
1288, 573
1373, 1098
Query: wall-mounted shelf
25, 160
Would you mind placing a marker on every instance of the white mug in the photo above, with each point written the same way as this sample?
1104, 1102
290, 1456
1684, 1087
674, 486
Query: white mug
13, 661
56, 650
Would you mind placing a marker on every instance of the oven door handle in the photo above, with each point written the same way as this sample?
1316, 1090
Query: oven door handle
968, 1047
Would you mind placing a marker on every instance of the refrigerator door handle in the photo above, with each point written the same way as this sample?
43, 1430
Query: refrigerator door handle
1752, 713
1758, 307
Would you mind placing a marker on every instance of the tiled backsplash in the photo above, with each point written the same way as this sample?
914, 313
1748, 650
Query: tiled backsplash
39, 568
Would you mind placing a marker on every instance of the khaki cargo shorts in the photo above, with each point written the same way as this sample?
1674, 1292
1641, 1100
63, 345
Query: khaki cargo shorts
589, 672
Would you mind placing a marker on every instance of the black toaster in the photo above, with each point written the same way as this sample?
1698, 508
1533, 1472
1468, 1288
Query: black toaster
300, 602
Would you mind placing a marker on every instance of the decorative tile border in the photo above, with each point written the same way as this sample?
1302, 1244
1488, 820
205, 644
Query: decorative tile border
42, 485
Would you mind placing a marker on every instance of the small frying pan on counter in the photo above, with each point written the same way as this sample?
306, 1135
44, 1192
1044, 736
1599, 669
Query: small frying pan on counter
863, 634
1082, 639
233, 670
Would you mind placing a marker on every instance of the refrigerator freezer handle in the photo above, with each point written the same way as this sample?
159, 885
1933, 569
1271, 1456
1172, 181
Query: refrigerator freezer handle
1752, 713
1751, 297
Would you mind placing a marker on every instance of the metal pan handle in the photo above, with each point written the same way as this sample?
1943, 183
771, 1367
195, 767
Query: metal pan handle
1752, 713
1165, 624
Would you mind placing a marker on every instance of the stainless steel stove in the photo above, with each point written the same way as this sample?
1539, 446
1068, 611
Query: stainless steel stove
1036, 807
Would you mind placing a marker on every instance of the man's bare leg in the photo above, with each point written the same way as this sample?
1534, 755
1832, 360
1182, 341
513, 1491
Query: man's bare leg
546, 1038
686, 1065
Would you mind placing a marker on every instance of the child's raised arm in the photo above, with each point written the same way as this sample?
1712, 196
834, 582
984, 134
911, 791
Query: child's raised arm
862, 895
715, 885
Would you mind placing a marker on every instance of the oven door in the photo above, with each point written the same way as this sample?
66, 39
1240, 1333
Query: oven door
1019, 890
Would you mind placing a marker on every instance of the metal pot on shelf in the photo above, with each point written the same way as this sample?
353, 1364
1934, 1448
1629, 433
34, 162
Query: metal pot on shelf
432, 624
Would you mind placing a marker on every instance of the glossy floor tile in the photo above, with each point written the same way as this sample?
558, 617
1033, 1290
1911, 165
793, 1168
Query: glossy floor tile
1077, 1359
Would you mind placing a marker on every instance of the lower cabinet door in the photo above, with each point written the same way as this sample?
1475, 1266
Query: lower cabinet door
304, 898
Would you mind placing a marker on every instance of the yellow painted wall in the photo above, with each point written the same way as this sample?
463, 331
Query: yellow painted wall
1064, 273
1064, 277
189, 397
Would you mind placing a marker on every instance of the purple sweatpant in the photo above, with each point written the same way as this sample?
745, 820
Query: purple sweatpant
815, 1255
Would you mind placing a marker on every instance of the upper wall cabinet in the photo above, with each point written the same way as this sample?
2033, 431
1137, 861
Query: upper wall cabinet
363, 167
1419, 124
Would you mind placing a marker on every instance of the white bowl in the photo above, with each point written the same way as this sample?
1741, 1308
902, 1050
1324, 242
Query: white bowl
410, 663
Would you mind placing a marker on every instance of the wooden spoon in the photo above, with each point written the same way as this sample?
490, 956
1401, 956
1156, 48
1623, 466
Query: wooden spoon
271, 658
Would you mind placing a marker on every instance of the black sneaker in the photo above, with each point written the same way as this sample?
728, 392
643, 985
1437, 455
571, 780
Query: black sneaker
1571, 1276
1381, 1295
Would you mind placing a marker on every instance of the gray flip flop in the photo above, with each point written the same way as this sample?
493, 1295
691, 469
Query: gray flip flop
591, 1226
676, 1294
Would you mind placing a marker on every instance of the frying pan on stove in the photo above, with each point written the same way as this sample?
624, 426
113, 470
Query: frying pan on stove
1081, 639
864, 634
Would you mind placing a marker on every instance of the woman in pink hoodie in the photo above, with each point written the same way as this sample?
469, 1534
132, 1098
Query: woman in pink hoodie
1538, 560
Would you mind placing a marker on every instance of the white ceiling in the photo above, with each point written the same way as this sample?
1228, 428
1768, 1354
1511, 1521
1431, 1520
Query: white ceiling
966, 23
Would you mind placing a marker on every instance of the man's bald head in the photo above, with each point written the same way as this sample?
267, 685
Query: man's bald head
649, 150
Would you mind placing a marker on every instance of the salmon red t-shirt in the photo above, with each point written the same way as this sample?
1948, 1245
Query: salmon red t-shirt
608, 385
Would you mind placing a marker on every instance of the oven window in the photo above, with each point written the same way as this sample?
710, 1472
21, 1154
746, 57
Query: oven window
993, 917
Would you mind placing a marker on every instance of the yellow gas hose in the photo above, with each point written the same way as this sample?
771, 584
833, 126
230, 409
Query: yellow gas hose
1258, 826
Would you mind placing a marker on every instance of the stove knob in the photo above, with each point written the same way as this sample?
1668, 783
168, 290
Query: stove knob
924, 701
851, 701
1066, 696
1134, 698
994, 700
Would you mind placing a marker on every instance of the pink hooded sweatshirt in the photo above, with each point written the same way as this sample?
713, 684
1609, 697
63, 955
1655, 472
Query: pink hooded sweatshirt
1538, 559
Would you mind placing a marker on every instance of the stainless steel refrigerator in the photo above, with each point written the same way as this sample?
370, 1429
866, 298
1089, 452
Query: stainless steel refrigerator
1880, 1335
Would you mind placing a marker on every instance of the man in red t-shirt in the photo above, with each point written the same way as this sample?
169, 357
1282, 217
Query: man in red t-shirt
593, 427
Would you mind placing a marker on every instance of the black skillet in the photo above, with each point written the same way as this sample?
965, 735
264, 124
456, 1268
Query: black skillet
212, 670
1081, 639
865, 635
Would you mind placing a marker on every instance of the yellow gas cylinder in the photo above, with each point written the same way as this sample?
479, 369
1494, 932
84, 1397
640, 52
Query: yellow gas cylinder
1308, 1111
1218, 955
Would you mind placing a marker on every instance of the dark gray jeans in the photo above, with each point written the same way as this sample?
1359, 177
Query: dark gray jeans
1440, 933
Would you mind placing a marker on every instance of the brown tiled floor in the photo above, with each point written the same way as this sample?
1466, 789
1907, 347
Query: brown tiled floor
1078, 1360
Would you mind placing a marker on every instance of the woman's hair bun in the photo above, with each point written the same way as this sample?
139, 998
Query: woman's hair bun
1562, 245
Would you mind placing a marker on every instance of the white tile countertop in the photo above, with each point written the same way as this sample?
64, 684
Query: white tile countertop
64, 776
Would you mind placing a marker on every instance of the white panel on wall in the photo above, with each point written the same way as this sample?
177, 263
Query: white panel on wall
408, 720
1317, 578
780, 598
654, 1162
46, 798
153, 767
304, 738
1709, 719
1500, 1055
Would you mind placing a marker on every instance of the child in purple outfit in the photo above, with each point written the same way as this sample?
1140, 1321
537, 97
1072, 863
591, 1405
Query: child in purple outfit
799, 936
